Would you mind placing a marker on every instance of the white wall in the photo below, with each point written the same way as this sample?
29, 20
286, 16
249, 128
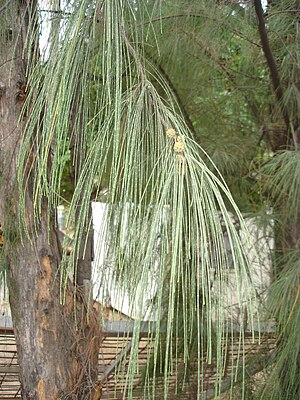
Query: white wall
258, 248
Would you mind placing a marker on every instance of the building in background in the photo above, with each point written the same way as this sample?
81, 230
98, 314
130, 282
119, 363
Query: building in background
105, 287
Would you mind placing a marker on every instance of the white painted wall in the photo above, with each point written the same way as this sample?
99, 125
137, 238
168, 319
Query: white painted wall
258, 248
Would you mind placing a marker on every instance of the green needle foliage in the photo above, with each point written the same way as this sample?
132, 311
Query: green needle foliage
97, 92
282, 181
283, 381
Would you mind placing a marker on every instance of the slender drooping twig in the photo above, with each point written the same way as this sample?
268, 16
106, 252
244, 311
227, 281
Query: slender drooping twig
274, 74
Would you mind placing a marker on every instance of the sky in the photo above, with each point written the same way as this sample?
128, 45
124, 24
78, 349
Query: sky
45, 23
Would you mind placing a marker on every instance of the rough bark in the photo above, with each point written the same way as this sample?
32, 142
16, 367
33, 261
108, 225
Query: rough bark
58, 360
58, 353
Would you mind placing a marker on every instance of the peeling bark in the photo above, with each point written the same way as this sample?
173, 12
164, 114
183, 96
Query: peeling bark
57, 343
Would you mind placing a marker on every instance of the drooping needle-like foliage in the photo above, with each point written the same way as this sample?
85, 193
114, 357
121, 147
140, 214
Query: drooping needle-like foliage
94, 92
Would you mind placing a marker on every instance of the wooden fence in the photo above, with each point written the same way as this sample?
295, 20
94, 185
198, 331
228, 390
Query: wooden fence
115, 346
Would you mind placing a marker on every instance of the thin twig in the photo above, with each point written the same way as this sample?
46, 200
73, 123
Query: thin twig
142, 72
9, 60
170, 83
198, 15
274, 74
269, 15
227, 383
215, 58
174, 16
55, 12
294, 136
4, 6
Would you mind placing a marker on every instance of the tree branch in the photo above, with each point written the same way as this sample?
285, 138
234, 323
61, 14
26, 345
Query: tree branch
225, 70
4, 6
197, 15
182, 108
274, 74
250, 371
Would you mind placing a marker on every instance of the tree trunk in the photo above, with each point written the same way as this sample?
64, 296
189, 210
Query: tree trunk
287, 230
287, 235
58, 344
